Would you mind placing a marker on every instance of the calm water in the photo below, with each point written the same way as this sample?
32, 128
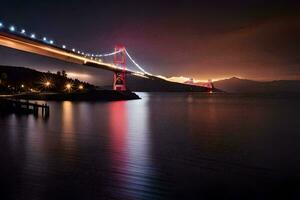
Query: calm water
165, 146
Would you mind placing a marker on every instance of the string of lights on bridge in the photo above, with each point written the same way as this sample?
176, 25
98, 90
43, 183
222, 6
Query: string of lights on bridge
92, 56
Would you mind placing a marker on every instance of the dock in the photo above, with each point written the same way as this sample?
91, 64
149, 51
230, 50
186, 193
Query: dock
23, 107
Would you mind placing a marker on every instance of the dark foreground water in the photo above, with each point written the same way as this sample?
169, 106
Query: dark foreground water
165, 146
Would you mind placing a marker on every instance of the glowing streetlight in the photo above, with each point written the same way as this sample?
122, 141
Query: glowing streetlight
64, 46
32, 36
44, 39
80, 87
51, 41
22, 86
69, 87
23, 31
47, 83
1, 24
73, 50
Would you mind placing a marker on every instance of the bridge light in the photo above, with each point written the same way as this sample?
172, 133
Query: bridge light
73, 50
78, 51
32, 35
1, 25
12, 28
23, 31
44, 39
51, 41
64, 46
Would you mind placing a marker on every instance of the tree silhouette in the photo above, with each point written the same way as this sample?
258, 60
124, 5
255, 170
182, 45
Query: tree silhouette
3, 78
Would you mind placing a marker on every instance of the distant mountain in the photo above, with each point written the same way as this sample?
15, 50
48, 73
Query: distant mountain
17, 76
155, 84
236, 85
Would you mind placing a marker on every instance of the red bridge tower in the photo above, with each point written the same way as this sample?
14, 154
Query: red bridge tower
120, 60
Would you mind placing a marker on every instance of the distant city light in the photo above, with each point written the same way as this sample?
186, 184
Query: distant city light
32, 35
22, 86
12, 28
23, 31
80, 87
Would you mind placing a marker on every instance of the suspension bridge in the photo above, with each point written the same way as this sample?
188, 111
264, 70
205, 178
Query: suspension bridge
22, 40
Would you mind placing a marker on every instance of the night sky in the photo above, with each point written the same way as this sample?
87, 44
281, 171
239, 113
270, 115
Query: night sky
252, 39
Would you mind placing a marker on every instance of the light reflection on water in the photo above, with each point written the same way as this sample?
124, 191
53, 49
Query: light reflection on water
130, 148
164, 146
67, 118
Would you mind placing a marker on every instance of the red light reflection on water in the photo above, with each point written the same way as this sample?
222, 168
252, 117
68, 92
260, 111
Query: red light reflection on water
130, 148
118, 127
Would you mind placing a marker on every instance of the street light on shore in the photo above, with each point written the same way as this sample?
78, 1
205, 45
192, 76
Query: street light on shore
80, 87
69, 87
47, 83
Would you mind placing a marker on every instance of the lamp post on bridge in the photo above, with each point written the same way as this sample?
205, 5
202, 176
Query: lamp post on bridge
120, 60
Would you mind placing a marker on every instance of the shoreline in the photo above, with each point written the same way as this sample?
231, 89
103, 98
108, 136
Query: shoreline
93, 95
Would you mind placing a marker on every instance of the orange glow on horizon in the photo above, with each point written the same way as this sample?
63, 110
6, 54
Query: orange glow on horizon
183, 79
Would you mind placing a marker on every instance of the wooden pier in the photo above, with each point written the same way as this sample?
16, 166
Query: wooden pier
23, 107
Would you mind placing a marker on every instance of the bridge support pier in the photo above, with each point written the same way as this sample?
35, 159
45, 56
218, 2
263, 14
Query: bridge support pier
119, 81
120, 60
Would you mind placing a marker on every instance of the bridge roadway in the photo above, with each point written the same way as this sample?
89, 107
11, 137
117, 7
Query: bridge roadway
26, 44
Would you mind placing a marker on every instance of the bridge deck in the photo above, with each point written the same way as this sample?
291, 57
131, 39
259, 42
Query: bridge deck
38, 47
